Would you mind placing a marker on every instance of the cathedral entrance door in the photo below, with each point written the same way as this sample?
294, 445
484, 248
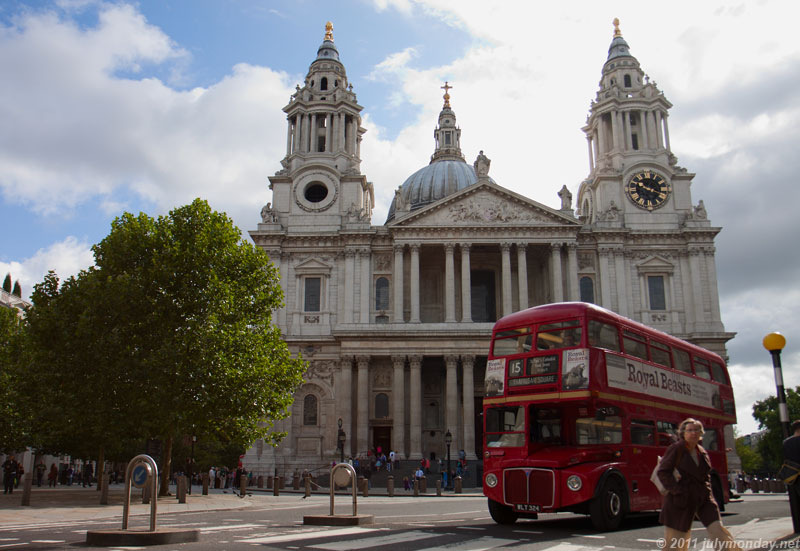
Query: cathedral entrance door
483, 303
382, 438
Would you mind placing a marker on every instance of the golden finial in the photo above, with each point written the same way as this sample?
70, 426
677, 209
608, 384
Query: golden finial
329, 31
446, 96
617, 32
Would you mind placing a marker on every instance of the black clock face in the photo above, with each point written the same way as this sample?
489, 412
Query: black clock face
648, 190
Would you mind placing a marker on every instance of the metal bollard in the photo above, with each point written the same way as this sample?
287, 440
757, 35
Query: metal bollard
308, 485
423, 485
296, 482
205, 484
439, 487
260, 481
103, 481
243, 485
365, 488
181, 489
390, 486
270, 481
416, 487
458, 485
276, 488
27, 487
281, 482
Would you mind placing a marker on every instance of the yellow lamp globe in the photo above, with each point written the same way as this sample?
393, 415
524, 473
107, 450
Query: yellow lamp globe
774, 342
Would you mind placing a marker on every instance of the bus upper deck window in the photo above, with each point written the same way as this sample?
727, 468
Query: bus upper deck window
718, 373
563, 334
660, 353
635, 344
603, 335
702, 367
682, 360
516, 341
505, 427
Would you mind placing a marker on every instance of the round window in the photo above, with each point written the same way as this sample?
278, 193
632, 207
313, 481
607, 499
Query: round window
315, 192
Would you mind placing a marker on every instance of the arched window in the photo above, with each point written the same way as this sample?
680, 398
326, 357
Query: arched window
310, 410
627, 81
381, 406
323, 84
382, 294
587, 289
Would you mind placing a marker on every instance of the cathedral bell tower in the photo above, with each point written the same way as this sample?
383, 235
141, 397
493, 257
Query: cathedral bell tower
320, 186
634, 180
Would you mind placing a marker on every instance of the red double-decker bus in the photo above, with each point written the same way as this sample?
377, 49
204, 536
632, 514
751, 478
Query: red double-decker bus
580, 402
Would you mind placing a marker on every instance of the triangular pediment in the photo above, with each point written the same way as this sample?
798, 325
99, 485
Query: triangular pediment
655, 264
313, 266
485, 204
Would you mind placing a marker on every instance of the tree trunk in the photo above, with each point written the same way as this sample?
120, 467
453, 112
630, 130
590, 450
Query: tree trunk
166, 467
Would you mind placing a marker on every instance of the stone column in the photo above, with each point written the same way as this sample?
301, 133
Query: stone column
304, 134
284, 272
666, 132
398, 283
328, 125
345, 402
414, 283
505, 253
468, 391
643, 125
555, 271
572, 276
449, 284
697, 287
451, 399
289, 136
626, 129
713, 291
341, 145
688, 299
398, 409
522, 272
615, 131
466, 286
591, 153
621, 278
601, 138
366, 284
605, 278
349, 281
362, 423
298, 123
312, 143
415, 403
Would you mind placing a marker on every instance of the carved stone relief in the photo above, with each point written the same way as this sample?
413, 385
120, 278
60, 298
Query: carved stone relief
382, 377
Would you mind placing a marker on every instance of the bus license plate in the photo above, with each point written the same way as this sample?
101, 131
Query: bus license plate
528, 508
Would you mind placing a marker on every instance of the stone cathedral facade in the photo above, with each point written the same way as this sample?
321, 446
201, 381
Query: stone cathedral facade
395, 318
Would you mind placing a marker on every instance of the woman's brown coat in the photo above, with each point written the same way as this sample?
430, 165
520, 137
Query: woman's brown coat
691, 495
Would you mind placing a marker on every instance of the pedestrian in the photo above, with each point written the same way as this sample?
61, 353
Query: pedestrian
20, 472
791, 456
52, 476
9, 473
690, 495
87, 474
70, 474
406, 484
39, 474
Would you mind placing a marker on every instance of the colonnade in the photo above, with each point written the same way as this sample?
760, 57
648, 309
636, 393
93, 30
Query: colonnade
458, 419
340, 131
616, 127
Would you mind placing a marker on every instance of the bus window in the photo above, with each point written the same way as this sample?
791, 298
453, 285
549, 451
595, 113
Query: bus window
682, 360
667, 433
517, 341
718, 373
634, 344
642, 432
710, 441
545, 425
660, 353
505, 427
558, 335
595, 431
603, 335
702, 367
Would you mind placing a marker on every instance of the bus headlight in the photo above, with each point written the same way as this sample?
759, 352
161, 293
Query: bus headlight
491, 480
574, 483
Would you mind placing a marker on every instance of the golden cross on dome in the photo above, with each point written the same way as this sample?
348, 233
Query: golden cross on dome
446, 96
617, 32
329, 31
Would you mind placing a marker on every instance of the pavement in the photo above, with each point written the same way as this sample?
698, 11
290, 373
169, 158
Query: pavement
75, 503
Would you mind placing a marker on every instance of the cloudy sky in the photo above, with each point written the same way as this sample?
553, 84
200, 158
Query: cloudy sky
108, 107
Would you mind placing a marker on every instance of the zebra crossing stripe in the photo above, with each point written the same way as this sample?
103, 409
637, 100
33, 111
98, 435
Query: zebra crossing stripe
377, 541
315, 534
480, 544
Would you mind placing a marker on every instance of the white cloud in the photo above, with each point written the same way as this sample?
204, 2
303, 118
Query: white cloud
66, 258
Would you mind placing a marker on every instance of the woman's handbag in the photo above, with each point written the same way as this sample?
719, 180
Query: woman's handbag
654, 475
789, 471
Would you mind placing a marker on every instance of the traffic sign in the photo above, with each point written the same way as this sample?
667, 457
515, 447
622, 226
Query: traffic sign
140, 474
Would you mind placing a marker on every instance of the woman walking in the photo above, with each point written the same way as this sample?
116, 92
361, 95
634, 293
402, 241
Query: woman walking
690, 496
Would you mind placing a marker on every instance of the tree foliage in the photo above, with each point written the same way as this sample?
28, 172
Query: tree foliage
752, 462
17, 292
7, 283
169, 334
14, 425
766, 413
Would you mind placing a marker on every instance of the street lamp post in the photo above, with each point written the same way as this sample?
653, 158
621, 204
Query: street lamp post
341, 437
191, 464
774, 342
448, 439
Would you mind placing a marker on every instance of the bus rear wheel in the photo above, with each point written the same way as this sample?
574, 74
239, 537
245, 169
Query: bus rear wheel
502, 514
608, 508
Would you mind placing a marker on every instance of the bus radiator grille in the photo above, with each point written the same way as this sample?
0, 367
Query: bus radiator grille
526, 485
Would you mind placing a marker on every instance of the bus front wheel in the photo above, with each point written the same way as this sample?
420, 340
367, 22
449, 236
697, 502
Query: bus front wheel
502, 514
608, 508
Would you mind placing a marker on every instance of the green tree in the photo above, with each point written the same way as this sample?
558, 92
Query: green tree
172, 334
17, 292
7, 283
14, 428
766, 413
752, 461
